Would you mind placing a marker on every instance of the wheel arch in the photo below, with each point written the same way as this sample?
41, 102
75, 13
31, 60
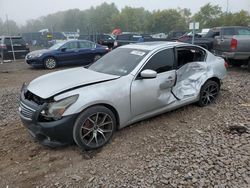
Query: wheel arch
110, 107
48, 56
215, 79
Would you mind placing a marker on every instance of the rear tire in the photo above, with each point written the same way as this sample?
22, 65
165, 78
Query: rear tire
98, 56
208, 93
94, 127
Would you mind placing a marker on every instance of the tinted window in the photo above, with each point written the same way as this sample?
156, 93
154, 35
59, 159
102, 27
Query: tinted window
136, 37
161, 62
228, 31
106, 37
212, 33
86, 45
243, 31
187, 55
15, 41
120, 61
122, 37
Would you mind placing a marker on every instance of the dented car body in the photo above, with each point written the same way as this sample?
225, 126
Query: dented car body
131, 83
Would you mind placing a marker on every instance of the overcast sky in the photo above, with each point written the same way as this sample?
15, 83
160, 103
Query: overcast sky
22, 10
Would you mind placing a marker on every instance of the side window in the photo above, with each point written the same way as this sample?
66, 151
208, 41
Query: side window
86, 45
161, 62
7, 41
229, 31
243, 31
187, 55
71, 45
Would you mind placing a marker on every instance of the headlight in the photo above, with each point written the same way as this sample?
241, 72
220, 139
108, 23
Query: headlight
56, 109
37, 55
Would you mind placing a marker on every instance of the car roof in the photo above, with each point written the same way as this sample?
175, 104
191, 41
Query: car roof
153, 45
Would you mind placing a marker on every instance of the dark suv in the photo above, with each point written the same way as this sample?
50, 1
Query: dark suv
19, 47
102, 39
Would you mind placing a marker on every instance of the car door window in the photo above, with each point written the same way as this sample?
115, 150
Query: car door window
86, 45
161, 62
187, 55
71, 45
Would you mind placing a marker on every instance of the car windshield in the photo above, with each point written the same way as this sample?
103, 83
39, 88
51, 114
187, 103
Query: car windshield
57, 46
120, 61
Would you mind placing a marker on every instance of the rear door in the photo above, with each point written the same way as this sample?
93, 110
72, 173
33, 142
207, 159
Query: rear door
87, 52
191, 72
153, 94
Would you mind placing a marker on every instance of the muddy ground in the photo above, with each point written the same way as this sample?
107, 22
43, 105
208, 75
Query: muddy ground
188, 147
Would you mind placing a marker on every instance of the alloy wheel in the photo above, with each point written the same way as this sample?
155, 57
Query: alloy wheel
97, 129
50, 63
209, 94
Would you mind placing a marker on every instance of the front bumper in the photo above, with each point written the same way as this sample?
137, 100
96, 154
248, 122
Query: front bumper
34, 62
52, 133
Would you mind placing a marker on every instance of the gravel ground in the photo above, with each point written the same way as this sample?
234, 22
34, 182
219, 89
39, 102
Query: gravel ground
188, 147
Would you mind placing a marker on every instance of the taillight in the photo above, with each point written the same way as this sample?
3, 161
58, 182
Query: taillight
234, 43
3, 46
226, 64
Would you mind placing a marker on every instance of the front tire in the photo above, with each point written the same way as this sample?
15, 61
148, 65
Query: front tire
50, 63
94, 127
208, 93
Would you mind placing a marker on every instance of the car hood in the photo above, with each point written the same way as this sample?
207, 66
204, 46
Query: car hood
36, 52
51, 84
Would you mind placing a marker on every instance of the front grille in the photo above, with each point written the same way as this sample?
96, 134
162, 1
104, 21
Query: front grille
26, 111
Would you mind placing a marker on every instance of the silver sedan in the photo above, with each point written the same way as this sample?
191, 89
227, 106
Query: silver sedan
129, 84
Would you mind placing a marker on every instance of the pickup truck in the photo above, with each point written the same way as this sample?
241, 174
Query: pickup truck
233, 44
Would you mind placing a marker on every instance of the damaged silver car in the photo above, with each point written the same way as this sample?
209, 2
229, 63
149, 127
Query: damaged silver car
129, 84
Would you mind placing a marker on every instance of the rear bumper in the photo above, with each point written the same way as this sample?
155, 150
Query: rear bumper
235, 55
8, 55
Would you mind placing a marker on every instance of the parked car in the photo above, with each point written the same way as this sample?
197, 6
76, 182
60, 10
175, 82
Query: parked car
102, 39
72, 52
19, 46
130, 38
233, 44
129, 84
174, 35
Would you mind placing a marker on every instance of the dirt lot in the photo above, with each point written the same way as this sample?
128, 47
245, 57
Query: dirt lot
189, 147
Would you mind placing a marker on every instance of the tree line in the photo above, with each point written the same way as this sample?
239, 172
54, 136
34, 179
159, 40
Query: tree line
106, 17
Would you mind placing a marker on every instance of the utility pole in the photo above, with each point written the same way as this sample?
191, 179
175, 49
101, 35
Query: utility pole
227, 6
12, 48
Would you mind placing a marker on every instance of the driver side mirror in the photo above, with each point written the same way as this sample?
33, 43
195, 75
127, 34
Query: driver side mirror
148, 74
63, 49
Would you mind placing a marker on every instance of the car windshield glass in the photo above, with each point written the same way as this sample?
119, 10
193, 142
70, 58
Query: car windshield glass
120, 61
56, 46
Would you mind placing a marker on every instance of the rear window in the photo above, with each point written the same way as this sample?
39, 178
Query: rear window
15, 41
136, 37
122, 37
228, 31
243, 31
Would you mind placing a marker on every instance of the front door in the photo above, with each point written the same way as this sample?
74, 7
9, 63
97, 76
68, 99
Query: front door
151, 94
70, 54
